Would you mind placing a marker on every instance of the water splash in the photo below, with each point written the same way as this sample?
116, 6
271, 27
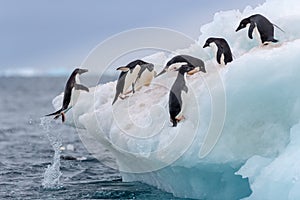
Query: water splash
52, 174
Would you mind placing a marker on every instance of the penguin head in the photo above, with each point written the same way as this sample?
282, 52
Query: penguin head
208, 42
174, 66
80, 71
243, 24
168, 67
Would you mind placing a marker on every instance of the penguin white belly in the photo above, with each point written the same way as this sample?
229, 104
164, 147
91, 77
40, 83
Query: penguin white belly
145, 79
130, 79
256, 33
222, 60
214, 48
75, 93
184, 99
74, 97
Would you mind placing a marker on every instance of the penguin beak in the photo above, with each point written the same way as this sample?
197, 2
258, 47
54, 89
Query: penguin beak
239, 28
206, 45
124, 69
82, 71
162, 72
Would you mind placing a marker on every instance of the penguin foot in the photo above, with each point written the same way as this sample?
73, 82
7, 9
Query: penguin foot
63, 118
127, 92
147, 84
123, 97
194, 71
180, 118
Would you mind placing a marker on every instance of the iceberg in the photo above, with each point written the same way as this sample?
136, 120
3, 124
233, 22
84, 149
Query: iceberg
253, 104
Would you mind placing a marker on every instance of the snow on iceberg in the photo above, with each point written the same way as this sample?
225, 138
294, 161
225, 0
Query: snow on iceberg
256, 154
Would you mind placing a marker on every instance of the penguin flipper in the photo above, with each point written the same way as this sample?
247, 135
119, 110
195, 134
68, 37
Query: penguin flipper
250, 31
81, 87
185, 88
228, 58
133, 90
115, 99
219, 55
150, 67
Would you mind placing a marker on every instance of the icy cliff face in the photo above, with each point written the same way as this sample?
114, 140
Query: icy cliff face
257, 96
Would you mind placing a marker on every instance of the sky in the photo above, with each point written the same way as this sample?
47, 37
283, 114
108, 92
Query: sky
53, 36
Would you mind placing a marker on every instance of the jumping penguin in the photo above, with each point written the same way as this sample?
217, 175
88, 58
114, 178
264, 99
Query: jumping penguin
180, 60
178, 94
71, 85
222, 49
264, 28
129, 77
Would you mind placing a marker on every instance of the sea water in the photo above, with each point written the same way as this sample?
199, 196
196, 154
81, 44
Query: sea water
30, 163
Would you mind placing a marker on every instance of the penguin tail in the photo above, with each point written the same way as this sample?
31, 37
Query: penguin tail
115, 99
55, 113
279, 28
173, 121
275, 41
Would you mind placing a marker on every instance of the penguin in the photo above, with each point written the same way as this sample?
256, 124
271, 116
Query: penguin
180, 60
71, 85
223, 52
129, 76
178, 94
264, 27
145, 76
